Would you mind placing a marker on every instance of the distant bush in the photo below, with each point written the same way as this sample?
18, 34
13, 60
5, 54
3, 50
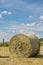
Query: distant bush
41, 42
41, 39
5, 44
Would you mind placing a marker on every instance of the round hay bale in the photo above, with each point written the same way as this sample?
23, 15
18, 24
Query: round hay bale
20, 46
35, 43
24, 45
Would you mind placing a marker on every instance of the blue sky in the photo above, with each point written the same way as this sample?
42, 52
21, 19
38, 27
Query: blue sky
20, 16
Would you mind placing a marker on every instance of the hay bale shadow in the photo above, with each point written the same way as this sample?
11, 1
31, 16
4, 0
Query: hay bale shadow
4, 56
38, 56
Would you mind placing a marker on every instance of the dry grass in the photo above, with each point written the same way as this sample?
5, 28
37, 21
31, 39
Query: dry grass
4, 51
5, 58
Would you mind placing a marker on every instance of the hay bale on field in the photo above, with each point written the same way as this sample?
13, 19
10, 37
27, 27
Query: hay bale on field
23, 46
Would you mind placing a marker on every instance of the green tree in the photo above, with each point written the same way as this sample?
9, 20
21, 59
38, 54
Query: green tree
3, 41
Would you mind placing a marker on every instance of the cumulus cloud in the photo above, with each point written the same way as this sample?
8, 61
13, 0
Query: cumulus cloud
26, 27
30, 32
33, 27
25, 31
29, 24
41, 17
21, 28
4, 13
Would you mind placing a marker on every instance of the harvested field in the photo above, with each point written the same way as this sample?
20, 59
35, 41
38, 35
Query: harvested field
6, 59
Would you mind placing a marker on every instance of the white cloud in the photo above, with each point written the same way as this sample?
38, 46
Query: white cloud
30, 32
4, 13
30, 17
26, 32
9, 13
21, 28
33, 27
26, 27
41, 17
30, 24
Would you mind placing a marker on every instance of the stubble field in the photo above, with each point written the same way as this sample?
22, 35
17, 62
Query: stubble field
6, 58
